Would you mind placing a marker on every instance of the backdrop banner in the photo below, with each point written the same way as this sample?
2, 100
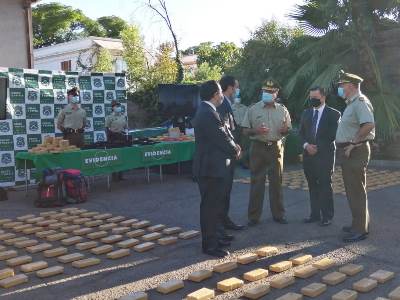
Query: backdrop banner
34, 99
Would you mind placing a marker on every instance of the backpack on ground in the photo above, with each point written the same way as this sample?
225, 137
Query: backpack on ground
51, 190
75, 185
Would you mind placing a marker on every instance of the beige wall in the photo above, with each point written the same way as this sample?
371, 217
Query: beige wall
13, 34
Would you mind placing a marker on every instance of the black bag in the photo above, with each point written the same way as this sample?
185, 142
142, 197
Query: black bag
51, 190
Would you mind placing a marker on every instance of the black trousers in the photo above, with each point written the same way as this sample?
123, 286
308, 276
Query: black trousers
212, 195
228, 183
318, 171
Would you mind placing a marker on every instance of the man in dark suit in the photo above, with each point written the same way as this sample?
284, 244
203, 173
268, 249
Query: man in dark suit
229, 85
318, 131
214, 152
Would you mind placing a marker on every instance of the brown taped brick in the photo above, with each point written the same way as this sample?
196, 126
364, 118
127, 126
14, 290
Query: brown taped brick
255, 275
116, 219
225, 267
382, 276
2, 248
38, 248
120, 230
85, 263
80, 221
70, 257
82, 231
17, 261
77, 212
72, 240
8, 254
3, 221
395, 294
46, 214
170, 286
15, 240
324, 264
152, 236
58, 216
351, 269
135, 233
5, 273
156, 228
58, 225
90, 214
52, 271
69, 219
102, 249
70, 228
57, 237
282, 282
35, 266
167, 240
33, 230
45, 223
34, 220
230, 284
290, 296
281, 266
12, 224
334, 278
202, 294
257, 292
118, 253
135, 296
172, 230
247, 258
141, 224
94, 223
108, 226
301, 259
365, 285
199, 276
55, 252
86, 245
314, 289
25, 217
345, 295
128, 243
188, 234
102, 216
21, 228
27, 243
97, 235
267, 251
69, 209
144, 247
13, 281
305, 272
43, 234
112, 239
128, 222
7, 236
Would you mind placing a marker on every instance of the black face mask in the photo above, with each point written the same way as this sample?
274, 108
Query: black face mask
315, 102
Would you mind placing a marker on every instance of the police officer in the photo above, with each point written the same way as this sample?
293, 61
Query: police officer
355, 132
266, 122
239, 111
71, 120
116, 123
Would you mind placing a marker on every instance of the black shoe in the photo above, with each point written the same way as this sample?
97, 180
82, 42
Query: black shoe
253, 223
232, 226
347, 229
311, 220
281, 220
223, 243
216, 252
355, 237
325, 223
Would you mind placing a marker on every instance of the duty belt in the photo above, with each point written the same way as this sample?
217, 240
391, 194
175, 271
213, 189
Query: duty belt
343, 145
267, 143
71, 130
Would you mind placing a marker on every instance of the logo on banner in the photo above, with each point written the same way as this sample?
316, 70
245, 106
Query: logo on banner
32, 95
4, 127
97, 82
20, 141
109, 96
100, 137
98, 110
88, 124
72, 81
17, 80
60, 96
86, 96
101, 159
6, 158
45, 81
121, 83
18, 111
33, 126
46, 110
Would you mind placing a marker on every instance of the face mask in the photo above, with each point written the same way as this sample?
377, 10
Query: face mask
237, 94
118, 109
315, 102
75, 100
267, 97
341, 92
237, 100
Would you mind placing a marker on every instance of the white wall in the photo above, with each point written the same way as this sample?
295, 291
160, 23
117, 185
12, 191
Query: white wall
13, 34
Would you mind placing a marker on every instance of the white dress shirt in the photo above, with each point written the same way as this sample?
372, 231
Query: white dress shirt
320, 111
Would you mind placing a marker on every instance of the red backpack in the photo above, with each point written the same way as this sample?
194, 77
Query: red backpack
75, 185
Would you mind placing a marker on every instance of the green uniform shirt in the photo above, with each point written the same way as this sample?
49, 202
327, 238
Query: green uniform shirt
359, 110
273, 117
70, 118
239, 110
116, 122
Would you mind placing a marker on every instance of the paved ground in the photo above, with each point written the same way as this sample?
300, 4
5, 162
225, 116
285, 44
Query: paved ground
175, 203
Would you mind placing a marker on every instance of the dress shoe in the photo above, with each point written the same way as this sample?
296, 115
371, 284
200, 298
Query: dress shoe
355, 237
216, 252
281, 220
223, 243
325, 223
253, 223
311, 220
232, 226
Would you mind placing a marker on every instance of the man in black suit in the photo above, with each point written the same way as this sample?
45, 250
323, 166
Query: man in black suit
318, 131
215, 150
229, 85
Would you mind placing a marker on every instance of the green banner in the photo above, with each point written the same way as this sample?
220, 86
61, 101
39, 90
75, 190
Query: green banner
109, 83
6, 143
32, 111
7, 174
47, 96
17, 96
101, 159
19, 126
59, 82
48, 126
98, 96
156, 154
31, 81
85, 82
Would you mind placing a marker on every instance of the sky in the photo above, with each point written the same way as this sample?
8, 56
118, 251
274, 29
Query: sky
195, 21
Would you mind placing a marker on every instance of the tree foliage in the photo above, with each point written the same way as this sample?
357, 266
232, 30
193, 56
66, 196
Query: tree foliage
224, 55
104, 61
113, 26
203, 73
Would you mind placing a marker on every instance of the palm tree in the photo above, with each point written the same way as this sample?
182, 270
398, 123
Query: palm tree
343, 34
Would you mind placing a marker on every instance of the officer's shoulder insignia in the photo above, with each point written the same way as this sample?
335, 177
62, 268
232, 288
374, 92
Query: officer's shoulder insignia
362, 98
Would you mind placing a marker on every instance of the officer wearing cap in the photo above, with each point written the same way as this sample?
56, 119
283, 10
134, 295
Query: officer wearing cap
355, 132
116, 123
266, 122
71, 120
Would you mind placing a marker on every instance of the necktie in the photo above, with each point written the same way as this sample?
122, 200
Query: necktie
314, 123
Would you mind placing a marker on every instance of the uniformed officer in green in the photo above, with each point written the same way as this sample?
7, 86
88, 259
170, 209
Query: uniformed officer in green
355, 132
71, 120
266, 122
239, 111
116, 123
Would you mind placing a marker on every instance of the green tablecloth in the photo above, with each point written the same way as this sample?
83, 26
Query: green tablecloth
148, 132
98, 162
